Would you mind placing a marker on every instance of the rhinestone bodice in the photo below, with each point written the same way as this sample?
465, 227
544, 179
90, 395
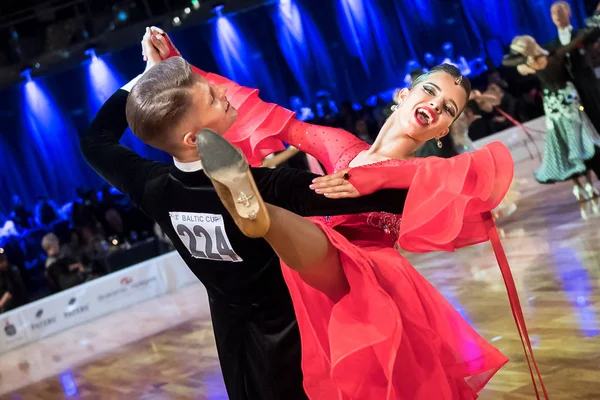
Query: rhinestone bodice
381, 228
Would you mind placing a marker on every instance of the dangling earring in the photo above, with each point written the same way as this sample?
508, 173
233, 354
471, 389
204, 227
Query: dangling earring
394, 107
439, 143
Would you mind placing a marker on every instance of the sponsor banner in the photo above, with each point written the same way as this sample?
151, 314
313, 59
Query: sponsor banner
93, 299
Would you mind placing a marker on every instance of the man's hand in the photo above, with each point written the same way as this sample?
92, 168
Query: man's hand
149, 52
77, 267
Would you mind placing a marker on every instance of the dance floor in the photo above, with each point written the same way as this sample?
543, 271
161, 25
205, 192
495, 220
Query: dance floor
164, 348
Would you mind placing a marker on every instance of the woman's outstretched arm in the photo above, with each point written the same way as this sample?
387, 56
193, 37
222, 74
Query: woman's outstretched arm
324, 143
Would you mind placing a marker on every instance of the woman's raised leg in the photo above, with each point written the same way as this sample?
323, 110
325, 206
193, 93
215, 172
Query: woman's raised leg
304, 247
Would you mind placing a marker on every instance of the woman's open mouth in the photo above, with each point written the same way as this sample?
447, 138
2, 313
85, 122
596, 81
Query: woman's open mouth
425, 116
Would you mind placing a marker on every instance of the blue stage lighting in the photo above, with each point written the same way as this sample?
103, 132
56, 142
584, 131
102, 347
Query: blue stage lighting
91, 53
102, 81
49, 134
26, 73
218, 10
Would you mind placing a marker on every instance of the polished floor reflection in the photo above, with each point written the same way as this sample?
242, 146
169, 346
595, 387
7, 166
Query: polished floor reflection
164, 348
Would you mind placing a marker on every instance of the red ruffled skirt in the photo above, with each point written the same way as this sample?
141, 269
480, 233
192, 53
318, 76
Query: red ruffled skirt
393, 336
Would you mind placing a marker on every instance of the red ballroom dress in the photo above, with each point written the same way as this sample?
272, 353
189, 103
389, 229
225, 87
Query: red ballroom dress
393, 336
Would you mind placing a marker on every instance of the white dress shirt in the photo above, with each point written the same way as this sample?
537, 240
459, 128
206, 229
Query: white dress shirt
564, 35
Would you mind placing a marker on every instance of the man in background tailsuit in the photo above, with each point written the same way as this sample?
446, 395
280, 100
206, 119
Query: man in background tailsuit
579, 67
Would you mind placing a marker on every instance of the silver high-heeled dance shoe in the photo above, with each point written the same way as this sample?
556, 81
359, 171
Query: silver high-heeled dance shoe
230, 174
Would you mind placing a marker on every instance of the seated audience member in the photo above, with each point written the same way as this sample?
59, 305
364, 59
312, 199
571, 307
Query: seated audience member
62, 270
361, 130
12, 289
303, 113
413, 69
430, 61
327, 109
479, 127
508, 104
459, 62
46, 212
115, 227
348, 116
22, 217
8, 228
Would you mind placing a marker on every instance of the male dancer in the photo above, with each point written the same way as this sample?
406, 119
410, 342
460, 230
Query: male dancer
581, 73
253, 317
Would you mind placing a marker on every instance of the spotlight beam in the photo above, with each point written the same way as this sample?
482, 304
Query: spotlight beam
26, 73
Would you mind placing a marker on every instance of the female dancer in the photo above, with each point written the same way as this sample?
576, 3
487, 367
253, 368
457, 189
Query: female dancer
372, 327
571, 139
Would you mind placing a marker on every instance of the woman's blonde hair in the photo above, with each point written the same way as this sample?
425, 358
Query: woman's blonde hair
527, 46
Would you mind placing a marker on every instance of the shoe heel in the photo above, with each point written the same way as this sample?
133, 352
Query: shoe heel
230, 174
580, 194
591, 191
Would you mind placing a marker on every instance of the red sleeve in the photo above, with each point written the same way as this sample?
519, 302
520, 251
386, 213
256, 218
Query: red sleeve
324, 143
262, 128
391, 174
447, 199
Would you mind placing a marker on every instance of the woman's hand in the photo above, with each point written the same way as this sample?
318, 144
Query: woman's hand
163, 43
525, 69
335, 186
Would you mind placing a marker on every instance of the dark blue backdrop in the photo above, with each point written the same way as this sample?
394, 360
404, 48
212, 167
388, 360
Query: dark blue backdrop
352, 48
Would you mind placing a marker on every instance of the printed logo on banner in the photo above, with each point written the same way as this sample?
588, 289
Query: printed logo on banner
9, 329
204, 236
74, 309
14, 335
42, 322
128, 286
